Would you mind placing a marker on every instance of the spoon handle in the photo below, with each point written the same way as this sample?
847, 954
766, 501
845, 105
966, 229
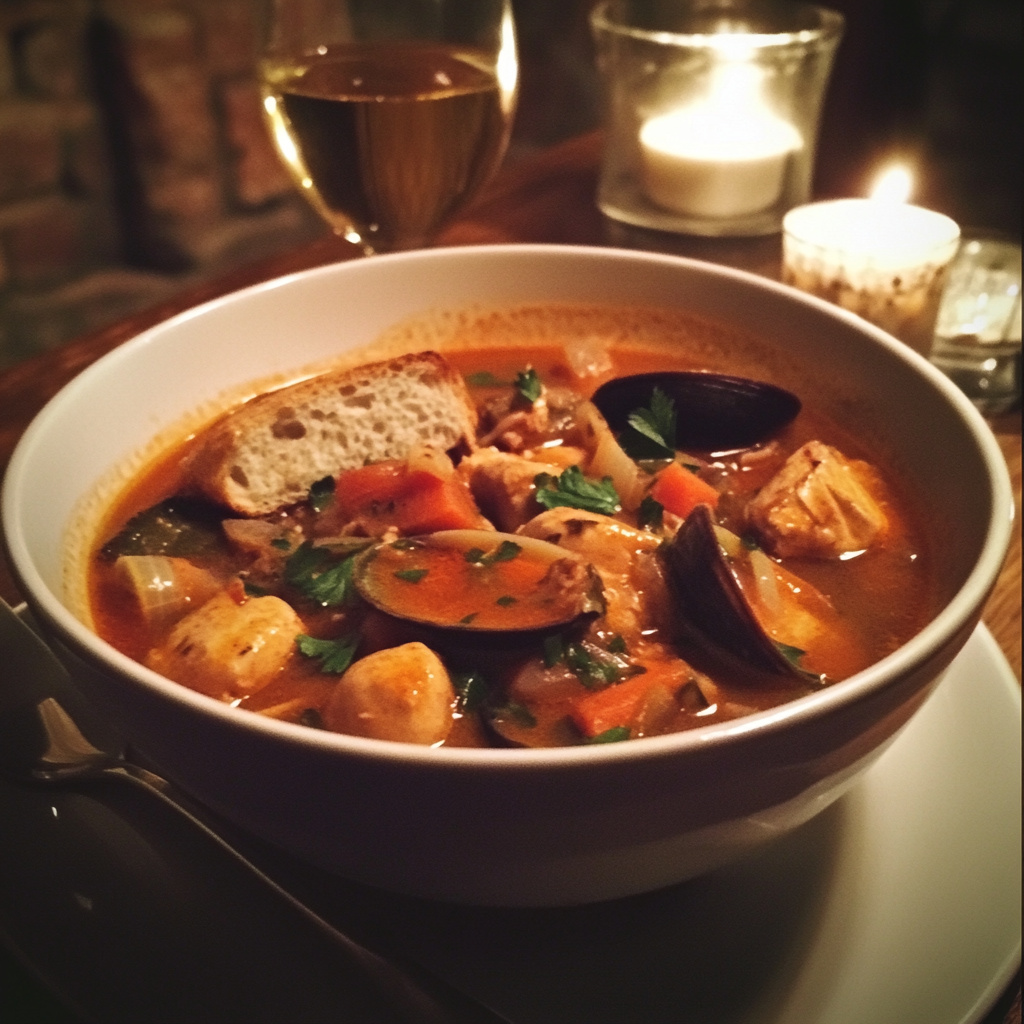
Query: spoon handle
35, 681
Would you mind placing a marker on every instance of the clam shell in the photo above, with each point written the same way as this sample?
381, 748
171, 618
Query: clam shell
478, 581
710, 601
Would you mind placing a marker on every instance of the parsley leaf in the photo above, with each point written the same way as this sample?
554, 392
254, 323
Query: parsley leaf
411, 575
506, 601
651, 432
321, 494
515, 712
528, 384
470, 690
484, 379
793, 656
616, 734
504, 552
335, 655
592, 672
593, 667
554, 650
573, 490
790, 653
315, 572
651, 514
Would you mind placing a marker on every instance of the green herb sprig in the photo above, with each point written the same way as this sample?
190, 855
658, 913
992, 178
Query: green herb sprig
335, 655
573, 490
317, 573
651, 433
504, 552
529, 385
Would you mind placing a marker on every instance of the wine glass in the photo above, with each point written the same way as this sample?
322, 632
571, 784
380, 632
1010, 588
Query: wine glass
389, 114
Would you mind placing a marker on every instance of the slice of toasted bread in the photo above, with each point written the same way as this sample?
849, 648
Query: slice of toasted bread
268, 452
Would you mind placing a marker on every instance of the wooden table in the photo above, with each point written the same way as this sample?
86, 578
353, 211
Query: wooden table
549, 198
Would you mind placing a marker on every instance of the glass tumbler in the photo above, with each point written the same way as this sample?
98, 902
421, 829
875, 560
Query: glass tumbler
711, 111
977, 334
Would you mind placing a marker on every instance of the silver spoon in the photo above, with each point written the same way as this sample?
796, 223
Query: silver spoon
49, 734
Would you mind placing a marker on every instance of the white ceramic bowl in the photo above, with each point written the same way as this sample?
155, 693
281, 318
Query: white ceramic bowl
513, 827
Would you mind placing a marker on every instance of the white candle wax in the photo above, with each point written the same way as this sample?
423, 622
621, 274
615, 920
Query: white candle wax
885, 261
709, 162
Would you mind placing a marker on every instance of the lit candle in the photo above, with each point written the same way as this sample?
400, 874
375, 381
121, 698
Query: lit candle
881, 258
721, 156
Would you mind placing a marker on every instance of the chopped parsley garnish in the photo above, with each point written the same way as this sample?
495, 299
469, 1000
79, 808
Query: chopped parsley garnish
411, 575
335, 655
251, 590
651, 432
554, 650
504, 552
506, 601
651, 514
317, 574
528, 385
592, 672
573, 490
793, 656
616, 734
471, 690
790, 653
484, 379
321, 494
593, 667
281, 543
467, 619
514, 712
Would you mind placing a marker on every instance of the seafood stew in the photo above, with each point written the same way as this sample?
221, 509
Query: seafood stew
588, 567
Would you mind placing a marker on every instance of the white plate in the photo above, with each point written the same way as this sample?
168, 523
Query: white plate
898, 905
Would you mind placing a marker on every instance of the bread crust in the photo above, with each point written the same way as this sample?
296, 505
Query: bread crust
267, 453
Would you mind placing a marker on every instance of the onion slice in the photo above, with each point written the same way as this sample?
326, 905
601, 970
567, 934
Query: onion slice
165, 588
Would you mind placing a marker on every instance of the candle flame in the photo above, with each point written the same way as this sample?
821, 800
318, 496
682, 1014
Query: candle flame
893, 186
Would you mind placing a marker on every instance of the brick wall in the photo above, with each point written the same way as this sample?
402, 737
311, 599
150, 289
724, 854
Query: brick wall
133, 160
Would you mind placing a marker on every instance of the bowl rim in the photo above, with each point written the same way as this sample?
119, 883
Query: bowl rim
800, 711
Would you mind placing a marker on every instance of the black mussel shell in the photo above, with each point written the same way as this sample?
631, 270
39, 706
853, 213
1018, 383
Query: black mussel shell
714, 412
711, 602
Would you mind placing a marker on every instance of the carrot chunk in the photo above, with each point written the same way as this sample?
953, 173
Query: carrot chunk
616, 705
681, 491
415, 501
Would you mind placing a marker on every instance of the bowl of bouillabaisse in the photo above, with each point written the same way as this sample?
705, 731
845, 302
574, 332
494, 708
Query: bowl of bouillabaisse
517, 575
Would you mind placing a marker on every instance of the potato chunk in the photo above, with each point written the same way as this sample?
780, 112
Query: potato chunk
818, 505
227, 648
402, 693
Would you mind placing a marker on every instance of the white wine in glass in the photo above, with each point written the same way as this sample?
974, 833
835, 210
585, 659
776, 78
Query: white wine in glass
389, 114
